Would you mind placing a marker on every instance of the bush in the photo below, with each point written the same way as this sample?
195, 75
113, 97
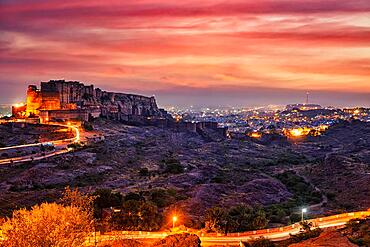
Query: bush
144, 172
303, 193
173, 166
138, 216
358, 231
305, 235
238, 219
106, 198
134, 196
88, 126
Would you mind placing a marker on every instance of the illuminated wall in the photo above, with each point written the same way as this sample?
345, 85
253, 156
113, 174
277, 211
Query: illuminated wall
34, 100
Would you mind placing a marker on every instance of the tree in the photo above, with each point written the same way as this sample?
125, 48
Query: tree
47, 225
105, 198
134, 196
259, 220
216, 219
161, 198
238, 219
138, 216
74, 198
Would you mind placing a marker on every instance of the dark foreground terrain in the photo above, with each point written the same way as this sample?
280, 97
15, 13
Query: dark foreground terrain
191, 173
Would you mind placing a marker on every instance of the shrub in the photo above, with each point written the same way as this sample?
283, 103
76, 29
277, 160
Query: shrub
137, 216
144, 172
88, 126
238, 219
106, 198
173, 166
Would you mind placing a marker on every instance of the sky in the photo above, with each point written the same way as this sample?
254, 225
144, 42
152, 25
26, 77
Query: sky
191, 52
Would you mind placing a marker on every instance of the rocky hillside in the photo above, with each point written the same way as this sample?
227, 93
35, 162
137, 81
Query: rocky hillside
192, 173
330, 238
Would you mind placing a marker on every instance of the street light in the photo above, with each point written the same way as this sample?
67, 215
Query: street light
174, 219
304, 210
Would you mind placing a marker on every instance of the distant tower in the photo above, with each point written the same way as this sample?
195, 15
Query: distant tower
307, 94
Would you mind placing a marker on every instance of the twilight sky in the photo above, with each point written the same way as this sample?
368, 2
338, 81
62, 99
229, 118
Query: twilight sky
191, 52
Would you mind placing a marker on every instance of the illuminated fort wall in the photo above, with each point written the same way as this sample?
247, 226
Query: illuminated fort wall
34, 100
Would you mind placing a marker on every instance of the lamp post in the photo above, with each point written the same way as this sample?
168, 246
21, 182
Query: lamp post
174, 219
304, 210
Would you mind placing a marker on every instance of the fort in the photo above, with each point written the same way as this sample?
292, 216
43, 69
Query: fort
60, 100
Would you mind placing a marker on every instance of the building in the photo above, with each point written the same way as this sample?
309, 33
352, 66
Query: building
60, 100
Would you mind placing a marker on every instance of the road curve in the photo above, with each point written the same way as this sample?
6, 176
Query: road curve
60, 147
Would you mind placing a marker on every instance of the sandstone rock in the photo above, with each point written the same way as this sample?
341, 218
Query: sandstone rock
179, 240
326, 239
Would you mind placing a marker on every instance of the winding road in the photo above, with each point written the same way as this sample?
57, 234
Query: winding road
232, 239
60, 147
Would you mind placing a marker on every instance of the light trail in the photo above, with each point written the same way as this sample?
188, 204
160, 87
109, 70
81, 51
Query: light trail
76, 138
210, 239
58, 144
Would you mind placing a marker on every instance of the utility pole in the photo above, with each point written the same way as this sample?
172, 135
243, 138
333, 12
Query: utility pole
307, 95
304, 210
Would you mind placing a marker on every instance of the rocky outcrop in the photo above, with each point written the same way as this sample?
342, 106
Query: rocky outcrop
327, 239
179, 240
129, 107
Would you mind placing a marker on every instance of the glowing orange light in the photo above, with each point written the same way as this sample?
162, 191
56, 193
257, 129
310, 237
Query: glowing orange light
296, 132
255, 134
174, 219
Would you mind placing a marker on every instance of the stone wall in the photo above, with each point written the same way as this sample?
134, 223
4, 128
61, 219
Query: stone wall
63, 115
34, 100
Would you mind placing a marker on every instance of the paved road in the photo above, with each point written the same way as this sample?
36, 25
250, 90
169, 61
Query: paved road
59, 145
234, 239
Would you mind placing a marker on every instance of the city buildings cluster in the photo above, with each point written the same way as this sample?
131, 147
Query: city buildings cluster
293, 120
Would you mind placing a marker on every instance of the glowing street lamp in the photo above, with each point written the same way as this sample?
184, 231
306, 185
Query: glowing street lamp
304, 210
174, 219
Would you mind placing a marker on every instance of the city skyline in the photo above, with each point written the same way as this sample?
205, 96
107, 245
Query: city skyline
234, 53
